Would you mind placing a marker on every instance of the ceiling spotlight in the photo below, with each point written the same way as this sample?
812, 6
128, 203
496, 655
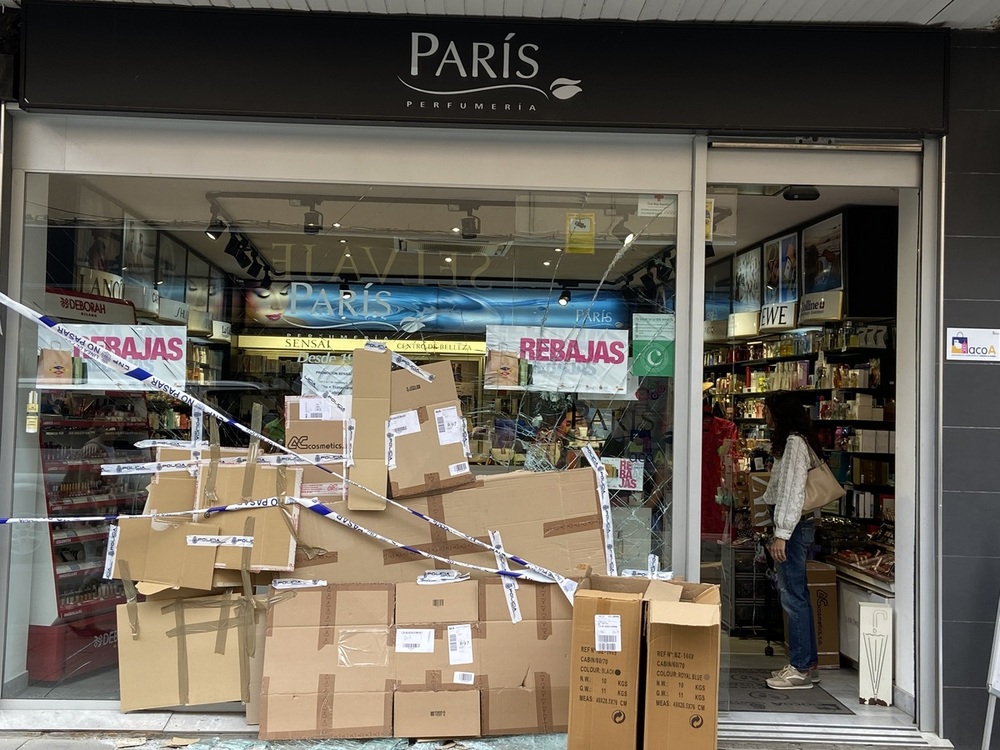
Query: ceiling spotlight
266, 282
313, 221
709, 250
649, 285
255, 266
235, 244
215, 227
800, 193
470, 226
564, 298
345, 291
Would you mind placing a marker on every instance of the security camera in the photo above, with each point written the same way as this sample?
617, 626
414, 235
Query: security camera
800, 193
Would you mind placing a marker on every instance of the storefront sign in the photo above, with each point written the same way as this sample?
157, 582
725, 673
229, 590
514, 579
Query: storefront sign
68, 306
200, 322
556, 359
743, 325
777, 317
99, 283
716, 330
221, 331
145, 298
424, 309
653, 344
173, 312
160, 350
973, 344
304, 344
821, 307
505, 71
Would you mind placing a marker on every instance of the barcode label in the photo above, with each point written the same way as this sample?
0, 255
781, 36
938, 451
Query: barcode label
460, 644
607, 633
404, 423
414, 641
311, 407
449, 425
460, 468
465, 678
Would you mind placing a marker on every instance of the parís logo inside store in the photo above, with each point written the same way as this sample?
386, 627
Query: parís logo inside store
478, 67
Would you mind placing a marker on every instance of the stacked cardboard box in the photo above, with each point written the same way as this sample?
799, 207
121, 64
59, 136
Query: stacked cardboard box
411, 660
368, 652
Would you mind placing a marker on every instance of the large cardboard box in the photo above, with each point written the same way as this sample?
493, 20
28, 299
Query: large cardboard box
558, 533
428, 442
158, 551
605, 693
329, 663
176, 491
370, 375
445, 713
184, 652
271, 528
682, 667
319, 425
822, 581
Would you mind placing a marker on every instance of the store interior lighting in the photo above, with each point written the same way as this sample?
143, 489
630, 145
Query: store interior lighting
565, 297
256, 267
621, 232
470, 226
312, 223
266, 282
345, 291
216, 227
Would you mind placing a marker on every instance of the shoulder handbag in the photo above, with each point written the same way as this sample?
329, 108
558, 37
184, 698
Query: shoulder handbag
821, 486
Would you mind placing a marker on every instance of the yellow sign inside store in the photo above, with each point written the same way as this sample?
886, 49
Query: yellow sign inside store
403, 346
580, 233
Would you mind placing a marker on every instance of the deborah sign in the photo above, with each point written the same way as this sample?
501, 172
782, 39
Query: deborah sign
160, 350
973, 344
556, 359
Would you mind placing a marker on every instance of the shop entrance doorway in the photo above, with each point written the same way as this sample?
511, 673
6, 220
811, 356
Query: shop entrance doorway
811, 285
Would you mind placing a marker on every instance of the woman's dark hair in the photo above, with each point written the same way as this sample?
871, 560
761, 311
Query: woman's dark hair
789, 415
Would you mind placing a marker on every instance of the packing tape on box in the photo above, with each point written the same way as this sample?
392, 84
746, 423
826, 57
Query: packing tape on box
400, 361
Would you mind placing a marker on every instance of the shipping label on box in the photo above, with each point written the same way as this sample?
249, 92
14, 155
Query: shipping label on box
682, 667
427, 442
314, 424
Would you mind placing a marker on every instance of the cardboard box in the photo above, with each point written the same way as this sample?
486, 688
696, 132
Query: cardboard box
557, 534
319, 425
272, 529
370, 407
176, 491
445, 713
438, 636
822, 581
682, 667
605, 695
184, 652
329, 663
157, 551
428, 448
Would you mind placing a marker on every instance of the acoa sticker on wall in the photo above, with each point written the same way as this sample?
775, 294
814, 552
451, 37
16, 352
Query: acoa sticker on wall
973, 344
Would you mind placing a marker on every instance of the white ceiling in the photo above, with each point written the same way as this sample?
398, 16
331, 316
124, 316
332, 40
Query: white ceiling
956, 14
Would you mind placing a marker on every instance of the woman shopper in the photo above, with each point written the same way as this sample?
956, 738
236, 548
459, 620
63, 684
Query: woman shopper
795, 448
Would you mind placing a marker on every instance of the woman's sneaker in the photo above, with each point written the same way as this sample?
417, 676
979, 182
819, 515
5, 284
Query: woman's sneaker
790, 678
813, 674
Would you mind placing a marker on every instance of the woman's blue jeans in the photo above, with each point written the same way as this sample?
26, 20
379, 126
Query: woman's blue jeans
794, 588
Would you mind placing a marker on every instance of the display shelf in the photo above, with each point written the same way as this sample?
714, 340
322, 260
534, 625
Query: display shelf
78, 434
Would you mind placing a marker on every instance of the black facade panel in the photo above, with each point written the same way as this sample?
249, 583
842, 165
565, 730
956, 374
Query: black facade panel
963, 531
968, 455
958, 410
964, 712
971, 203
973, 267
974, 51
976, 600
111, 57
978, 148
972, 654
972, 314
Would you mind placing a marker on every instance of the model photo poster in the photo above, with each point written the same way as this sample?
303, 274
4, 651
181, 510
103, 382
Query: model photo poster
789, 246
747, 277
822, 256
